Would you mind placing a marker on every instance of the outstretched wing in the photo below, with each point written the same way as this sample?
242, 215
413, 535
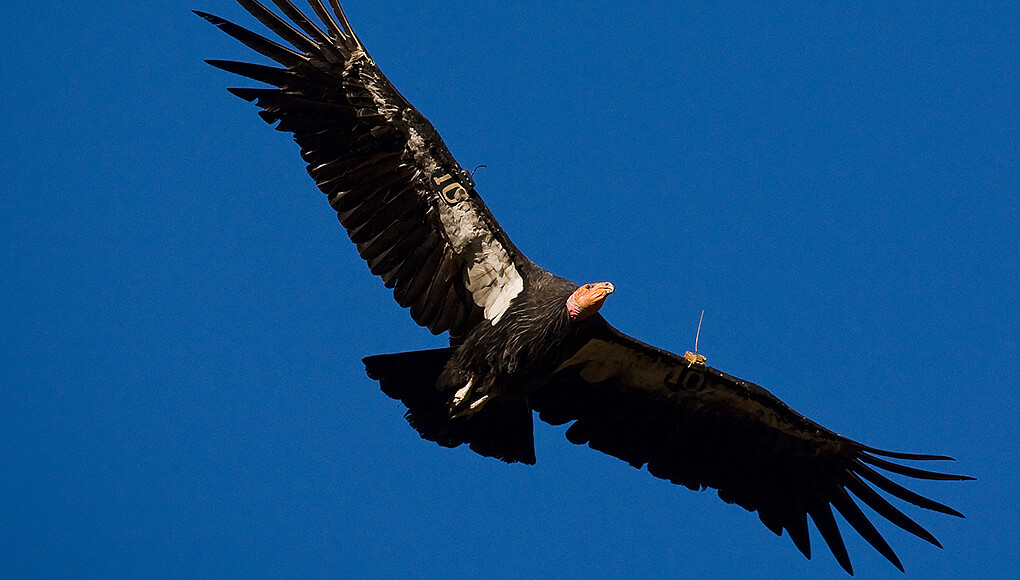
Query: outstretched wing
699, 427
406, 203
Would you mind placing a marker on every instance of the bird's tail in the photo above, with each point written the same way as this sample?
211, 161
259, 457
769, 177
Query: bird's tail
502, 428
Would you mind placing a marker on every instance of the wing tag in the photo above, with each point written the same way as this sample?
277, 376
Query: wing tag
689, 378
449, 189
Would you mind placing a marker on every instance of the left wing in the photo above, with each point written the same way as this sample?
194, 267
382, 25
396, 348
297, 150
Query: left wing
699, 427
406, 203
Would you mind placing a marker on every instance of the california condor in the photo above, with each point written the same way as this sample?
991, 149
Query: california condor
523, 339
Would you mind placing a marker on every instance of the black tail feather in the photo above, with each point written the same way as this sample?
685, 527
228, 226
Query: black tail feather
502, 428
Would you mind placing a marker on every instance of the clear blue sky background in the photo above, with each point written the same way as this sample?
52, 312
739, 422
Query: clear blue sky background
182, 319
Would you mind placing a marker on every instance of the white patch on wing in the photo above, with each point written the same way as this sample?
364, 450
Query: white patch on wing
491, 276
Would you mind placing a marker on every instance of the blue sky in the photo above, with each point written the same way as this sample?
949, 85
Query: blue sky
183, 318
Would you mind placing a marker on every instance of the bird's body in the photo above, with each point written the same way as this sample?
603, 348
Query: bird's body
515, 356
523, 340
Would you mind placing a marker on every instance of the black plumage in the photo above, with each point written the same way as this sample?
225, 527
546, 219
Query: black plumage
524, 340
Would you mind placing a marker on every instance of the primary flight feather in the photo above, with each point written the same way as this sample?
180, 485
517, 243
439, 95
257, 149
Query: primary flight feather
525, 340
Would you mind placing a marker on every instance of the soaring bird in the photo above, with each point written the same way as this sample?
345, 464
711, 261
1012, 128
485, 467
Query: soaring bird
524, 340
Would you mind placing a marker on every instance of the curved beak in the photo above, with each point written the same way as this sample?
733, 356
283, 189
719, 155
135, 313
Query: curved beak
603, 289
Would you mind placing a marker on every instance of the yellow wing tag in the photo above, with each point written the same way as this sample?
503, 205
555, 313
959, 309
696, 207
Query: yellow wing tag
450, 189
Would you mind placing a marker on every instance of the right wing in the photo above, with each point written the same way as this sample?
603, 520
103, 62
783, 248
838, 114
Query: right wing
404, 200
699, 427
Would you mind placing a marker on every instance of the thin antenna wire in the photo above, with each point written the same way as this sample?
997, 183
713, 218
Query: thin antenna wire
697, 336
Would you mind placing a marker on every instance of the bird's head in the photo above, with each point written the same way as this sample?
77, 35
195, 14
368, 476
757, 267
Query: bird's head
587, 300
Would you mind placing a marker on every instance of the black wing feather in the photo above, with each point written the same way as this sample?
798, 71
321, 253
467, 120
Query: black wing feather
885, 509
860, 522
257, 42
278, 25
319, 40
897, 490
327, 19
821, 515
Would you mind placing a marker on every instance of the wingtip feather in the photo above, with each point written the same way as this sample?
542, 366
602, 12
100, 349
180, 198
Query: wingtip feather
911, 471
896, 490
826, 524
858, 521
908, 456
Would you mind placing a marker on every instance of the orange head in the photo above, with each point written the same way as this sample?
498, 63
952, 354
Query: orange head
587, 300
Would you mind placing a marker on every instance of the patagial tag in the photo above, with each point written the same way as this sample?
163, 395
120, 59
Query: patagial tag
449, 189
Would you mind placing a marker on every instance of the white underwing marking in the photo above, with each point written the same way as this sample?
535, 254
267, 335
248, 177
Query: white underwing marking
491, 276
477, 403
